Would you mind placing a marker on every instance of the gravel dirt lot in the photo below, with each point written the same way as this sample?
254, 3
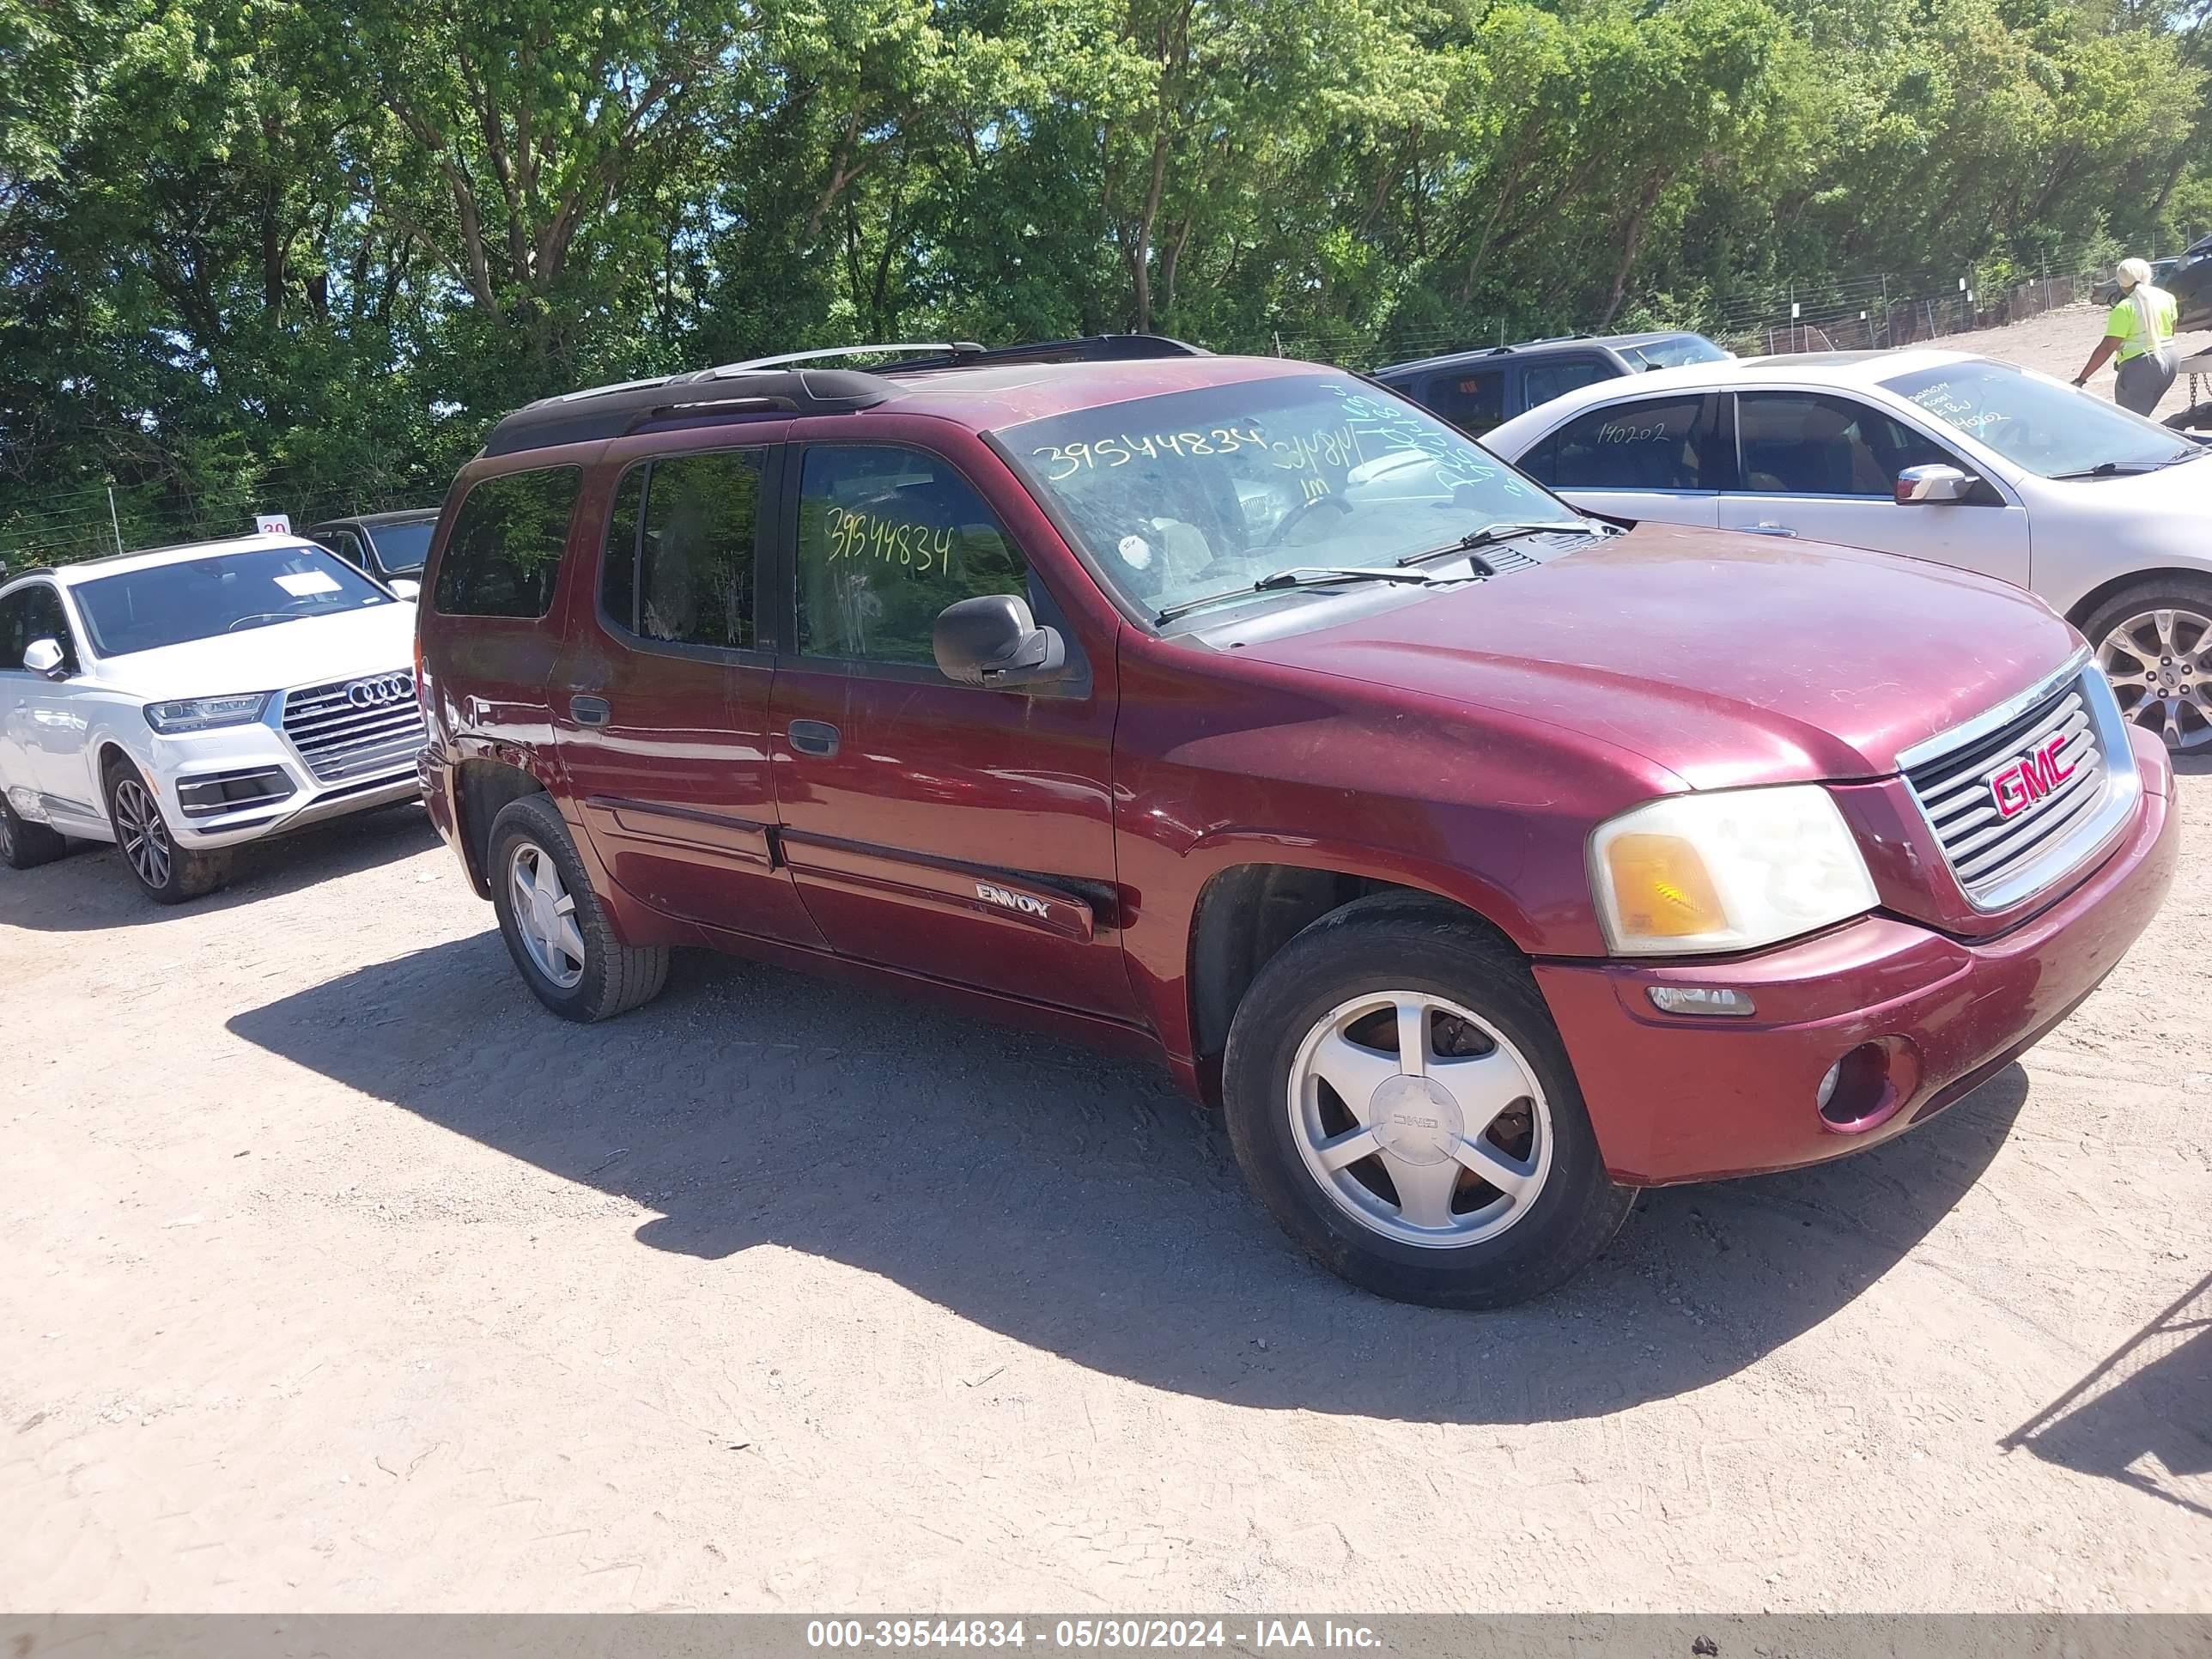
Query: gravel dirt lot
339, 1276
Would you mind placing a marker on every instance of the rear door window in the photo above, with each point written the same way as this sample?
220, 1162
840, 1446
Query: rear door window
682, 547
1656, 443
504, 550
1474, 402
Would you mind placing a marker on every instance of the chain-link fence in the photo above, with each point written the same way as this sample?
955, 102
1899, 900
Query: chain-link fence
1836, 314
1840, 325
65, 523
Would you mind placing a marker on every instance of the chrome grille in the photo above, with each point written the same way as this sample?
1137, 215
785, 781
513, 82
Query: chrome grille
2018, 801
343, 734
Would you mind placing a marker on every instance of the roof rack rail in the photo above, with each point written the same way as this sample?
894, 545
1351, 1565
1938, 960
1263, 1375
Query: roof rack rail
611, 410
1541, 339
939, 347
785, 384
1083, 348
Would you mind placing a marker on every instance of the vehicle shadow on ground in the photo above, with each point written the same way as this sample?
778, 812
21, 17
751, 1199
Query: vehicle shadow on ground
2143, 1416
1077, 1203
90, 888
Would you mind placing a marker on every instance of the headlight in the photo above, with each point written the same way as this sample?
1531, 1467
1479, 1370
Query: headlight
1730, 871
204, 713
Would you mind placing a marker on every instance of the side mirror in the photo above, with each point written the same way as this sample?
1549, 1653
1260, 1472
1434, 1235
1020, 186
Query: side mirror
1919, 484
44, 658
995, 641
405, 586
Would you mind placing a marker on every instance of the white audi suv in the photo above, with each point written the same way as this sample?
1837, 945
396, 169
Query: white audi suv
182, 701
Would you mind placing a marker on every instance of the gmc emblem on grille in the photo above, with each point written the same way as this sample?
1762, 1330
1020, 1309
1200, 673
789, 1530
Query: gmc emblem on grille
380, 692
2029, 778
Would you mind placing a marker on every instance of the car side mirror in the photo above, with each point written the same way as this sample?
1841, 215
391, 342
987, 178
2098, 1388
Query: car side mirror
1917, 485
993, 641
44, 658
405, 586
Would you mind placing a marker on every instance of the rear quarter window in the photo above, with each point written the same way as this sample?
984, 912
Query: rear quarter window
505, 551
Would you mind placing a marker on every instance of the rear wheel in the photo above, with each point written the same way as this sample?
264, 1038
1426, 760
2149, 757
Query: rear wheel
24, 844
1400, 1099
170, 874
2154, 641
555, 927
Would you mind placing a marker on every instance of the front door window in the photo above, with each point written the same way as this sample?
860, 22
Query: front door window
1807, 443
888, 537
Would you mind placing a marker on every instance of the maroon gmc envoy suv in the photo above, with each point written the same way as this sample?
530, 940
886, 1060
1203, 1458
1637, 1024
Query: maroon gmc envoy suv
1483, 862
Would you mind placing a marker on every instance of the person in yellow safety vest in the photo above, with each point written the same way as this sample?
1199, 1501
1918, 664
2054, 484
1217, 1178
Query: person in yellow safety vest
2141, 330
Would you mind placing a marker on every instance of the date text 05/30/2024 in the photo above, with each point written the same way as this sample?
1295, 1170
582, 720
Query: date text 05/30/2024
1151, 1635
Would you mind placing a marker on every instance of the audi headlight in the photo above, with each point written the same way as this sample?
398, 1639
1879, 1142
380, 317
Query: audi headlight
1730, 871
204, 713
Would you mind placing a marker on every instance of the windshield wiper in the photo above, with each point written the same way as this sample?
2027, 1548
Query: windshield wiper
2120, 470
1491, 534
1303, 576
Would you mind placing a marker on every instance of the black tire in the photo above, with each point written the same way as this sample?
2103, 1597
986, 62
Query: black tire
25, 844
165, 873
616, 977
2181, 593
1397, 942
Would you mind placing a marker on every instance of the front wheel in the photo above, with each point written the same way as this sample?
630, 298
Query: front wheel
168, 874
1398, 1096
556, 928
2154, 641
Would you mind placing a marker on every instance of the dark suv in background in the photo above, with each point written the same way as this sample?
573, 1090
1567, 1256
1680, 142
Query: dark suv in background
1482, 861
1478, 390
389, 546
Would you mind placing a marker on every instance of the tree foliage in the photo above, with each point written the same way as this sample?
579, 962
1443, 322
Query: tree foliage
270, 252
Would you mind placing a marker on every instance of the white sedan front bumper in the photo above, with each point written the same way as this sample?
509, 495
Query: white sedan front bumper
317, 752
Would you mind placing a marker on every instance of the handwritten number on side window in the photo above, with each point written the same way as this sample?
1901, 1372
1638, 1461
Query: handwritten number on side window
911, 547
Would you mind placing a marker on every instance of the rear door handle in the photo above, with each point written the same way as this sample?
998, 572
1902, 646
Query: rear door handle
591, 711
813, 737
1764, 528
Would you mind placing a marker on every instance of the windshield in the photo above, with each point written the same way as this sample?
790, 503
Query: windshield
401, 548
223, 593
1191, 493
1679, 352
2037, 423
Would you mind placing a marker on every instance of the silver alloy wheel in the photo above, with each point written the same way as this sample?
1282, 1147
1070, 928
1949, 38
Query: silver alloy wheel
2164, 658
545, 915
144, 836
1419, 1119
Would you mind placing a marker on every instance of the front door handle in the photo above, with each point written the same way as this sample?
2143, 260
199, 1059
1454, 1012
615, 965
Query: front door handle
591, 711
813, 737
1765, 527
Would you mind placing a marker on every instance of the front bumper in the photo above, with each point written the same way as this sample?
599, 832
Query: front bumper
1695, 1097
241, 783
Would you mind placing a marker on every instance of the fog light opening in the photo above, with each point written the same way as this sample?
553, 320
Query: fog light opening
1857, 1088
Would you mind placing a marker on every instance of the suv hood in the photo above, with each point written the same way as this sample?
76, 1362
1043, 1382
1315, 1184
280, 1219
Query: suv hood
1726, 659
313, 650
